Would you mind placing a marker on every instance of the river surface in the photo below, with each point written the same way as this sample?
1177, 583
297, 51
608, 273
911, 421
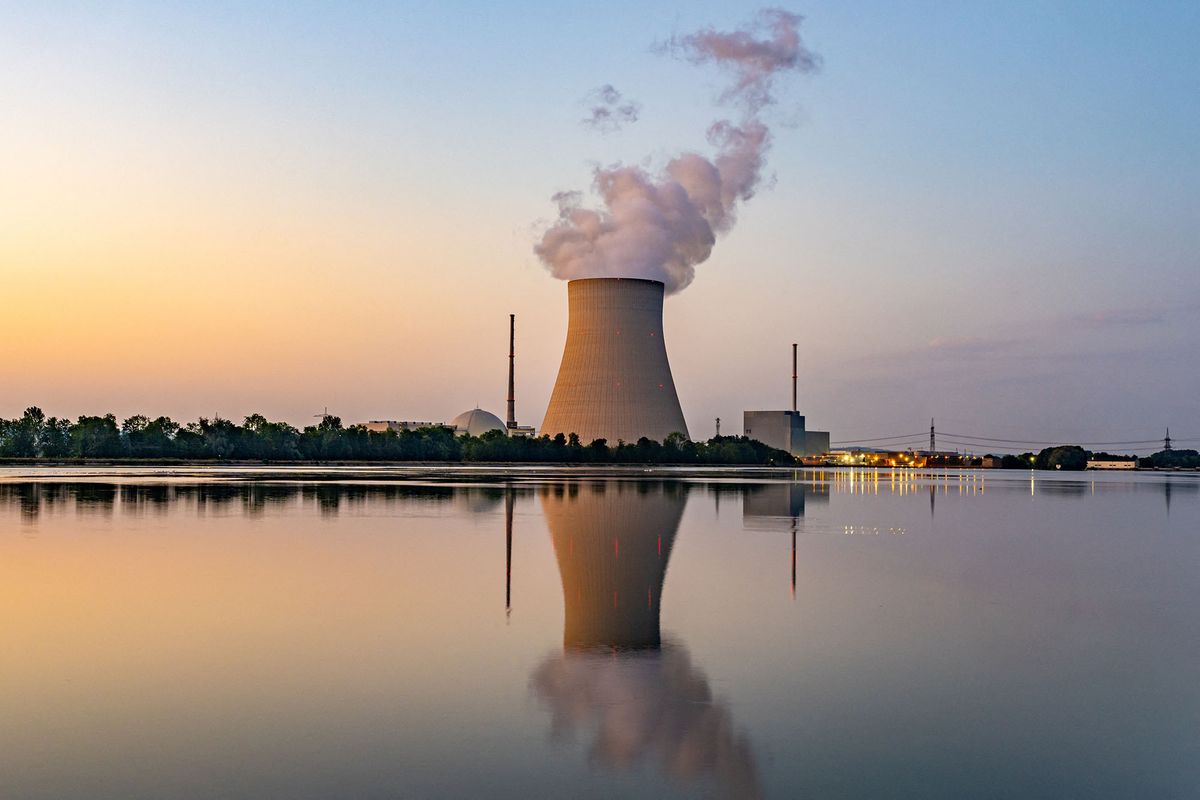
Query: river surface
536, 633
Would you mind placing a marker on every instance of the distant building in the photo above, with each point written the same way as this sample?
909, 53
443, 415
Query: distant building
477, 422
992, 462
784, 430
522, 431
384, 425
816, 443
1111, 464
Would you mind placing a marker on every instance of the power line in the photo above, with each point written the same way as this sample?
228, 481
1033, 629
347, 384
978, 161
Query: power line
911, 440
1036, 441
1010, 448
885, 438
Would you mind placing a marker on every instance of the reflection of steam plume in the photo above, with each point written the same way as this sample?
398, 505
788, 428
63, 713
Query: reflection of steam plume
652, 704
646, 701
661, 226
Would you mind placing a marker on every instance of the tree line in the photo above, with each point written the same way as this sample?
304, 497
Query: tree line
36, 436
1074, 457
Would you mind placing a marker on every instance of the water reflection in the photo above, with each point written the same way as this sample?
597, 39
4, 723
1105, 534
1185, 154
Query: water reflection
640, 700
780, 506
310, 639
251, 498
509, 499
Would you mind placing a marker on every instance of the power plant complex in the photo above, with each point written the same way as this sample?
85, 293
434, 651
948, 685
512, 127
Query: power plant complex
614, 382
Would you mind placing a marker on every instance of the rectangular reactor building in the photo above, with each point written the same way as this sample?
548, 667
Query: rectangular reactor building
784, 430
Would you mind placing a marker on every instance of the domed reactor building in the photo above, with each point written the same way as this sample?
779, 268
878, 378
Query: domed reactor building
614, 382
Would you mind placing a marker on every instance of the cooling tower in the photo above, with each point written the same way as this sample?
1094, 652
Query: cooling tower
614, 382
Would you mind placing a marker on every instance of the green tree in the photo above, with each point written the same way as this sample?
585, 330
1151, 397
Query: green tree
55, 439
1070, 457
96, 437
22, 435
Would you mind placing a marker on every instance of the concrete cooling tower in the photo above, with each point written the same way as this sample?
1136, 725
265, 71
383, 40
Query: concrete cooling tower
614, 382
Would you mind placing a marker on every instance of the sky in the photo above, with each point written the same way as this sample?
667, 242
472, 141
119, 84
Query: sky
983, 213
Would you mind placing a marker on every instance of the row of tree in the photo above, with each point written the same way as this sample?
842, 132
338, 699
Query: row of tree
33, 435
1074, 457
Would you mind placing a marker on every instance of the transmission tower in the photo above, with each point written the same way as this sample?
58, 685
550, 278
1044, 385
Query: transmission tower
1167, 440
932, 437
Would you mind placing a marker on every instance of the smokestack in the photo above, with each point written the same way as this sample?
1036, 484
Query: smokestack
614, 382
512, 398
794, 377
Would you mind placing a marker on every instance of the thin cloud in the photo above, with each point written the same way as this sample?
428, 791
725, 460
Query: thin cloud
609, 110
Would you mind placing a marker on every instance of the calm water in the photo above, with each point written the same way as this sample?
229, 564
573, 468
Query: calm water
390, 635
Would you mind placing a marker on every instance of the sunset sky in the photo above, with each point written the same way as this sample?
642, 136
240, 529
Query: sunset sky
985, 213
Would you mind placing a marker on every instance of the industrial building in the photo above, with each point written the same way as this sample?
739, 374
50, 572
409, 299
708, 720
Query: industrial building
1112, 463
475, 422
384, 425
785, 430
614, 382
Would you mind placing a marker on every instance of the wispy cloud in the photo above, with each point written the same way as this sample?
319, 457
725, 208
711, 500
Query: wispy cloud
1130, 316
609, 110
968, 345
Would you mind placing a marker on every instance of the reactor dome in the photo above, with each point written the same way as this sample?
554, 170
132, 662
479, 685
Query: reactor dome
477, 422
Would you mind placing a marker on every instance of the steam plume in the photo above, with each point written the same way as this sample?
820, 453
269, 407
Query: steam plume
661, 225
608, 113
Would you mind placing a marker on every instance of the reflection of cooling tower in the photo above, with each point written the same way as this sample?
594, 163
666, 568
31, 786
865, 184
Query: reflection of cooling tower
649, 703
612, 547
614, 382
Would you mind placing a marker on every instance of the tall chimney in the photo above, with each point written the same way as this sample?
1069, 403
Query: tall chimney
614, 382
794, 376
512, 398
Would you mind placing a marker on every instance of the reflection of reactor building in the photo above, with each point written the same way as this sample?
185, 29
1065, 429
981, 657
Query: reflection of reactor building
613, 543
778, 506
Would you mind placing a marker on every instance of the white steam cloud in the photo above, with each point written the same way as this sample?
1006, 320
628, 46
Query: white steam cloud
608, 113
660, 226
